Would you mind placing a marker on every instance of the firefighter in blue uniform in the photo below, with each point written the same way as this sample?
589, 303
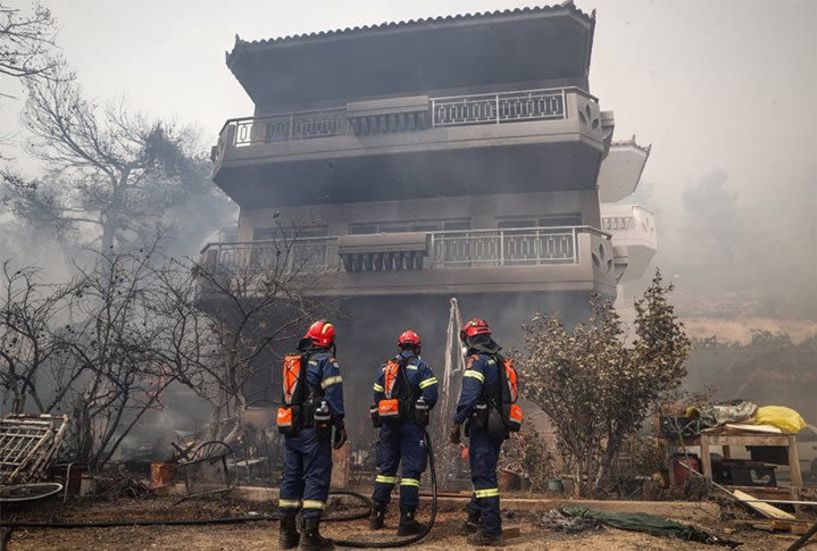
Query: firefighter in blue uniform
404, 393
313, 398
481, 379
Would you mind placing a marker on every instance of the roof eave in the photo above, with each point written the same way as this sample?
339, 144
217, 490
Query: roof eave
564, 9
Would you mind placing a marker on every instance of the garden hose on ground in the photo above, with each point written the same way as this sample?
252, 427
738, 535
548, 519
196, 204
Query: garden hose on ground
4, 525
185, 522
426, 529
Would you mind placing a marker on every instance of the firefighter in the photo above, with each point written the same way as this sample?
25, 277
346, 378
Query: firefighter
313, 406
481, 407
404, 393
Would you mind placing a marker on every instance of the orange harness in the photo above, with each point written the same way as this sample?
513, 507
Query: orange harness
513, 415
507, 394
289, 414
389, 407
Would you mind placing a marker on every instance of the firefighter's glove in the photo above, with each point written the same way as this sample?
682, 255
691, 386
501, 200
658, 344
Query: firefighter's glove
340, 436
454, 434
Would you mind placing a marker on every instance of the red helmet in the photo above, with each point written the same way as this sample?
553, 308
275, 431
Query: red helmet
409, 338
322, 333
473, 328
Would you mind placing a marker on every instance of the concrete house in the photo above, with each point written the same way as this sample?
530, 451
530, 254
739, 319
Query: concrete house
453, 156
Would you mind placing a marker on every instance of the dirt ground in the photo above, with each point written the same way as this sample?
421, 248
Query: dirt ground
446, 534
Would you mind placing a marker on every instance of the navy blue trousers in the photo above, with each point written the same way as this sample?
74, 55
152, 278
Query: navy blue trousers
401, 443
483, 456
307, 473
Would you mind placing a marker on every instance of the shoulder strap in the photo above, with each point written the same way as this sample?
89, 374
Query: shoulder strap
294, 390
499, 393
303, 382
488, 393
506, 383
399, 388
391, 374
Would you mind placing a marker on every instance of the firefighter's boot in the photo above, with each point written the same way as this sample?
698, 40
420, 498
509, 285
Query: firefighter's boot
408, 524
288, 536
377, 517
311, 539
483, 539
471, 525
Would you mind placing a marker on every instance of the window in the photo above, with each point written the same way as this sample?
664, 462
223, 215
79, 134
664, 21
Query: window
269, 234
551, 221
561, 220
418, 226
356, 229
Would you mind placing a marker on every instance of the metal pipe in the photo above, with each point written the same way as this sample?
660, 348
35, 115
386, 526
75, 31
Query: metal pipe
68, 481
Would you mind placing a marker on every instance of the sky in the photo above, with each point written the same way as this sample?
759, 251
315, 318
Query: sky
724, 91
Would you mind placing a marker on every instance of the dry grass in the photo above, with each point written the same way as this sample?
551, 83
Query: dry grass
446, 535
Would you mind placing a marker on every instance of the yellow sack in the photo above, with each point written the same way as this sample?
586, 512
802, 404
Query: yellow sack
786, 419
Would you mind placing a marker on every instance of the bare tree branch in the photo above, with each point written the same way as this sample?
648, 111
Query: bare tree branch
111, 168
25, 40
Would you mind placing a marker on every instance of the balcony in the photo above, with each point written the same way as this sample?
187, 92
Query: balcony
634, 234
494, 260
301, 255
621, 170
451, 145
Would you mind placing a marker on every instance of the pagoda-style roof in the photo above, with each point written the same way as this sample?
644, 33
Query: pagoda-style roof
481, 50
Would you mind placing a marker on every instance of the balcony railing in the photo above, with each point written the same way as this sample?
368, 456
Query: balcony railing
463, 110
504, 247
443, 249
499, 108
617, 223
301, 255
629, 222
290, 127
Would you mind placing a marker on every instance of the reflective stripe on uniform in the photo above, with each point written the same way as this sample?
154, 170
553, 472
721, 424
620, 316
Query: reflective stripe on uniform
409, 482
428, 382
378, 388
488, 492
383, 479
329, 381
289, 503
411, 367
475, 374
313, 504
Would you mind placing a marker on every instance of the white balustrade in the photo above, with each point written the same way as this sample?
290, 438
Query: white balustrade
498, 108
505, 247
474, 109
446, 249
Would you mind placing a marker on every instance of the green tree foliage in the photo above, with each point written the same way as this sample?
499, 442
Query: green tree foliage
527, 454
597, 388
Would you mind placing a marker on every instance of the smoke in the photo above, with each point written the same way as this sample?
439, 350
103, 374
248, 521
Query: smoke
180, 414
733, 254
713, 224
26, 246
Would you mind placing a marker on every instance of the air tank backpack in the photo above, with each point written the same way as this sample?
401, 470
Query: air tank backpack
397, 402
499, 414
512, 415
290, 414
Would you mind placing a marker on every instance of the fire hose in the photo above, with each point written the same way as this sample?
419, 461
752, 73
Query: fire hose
426, 529
5, 525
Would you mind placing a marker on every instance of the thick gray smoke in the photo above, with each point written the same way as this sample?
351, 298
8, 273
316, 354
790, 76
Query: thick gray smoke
712, 221
735, 257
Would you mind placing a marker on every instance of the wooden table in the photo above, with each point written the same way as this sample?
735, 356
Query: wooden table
726, 439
